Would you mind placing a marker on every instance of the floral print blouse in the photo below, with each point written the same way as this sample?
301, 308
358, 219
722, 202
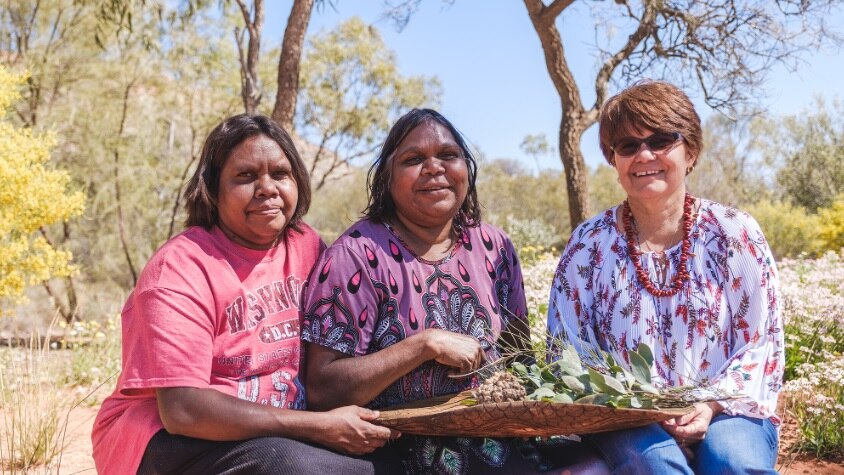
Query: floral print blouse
722, 331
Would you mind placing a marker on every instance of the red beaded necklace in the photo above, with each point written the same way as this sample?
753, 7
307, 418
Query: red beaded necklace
635, 254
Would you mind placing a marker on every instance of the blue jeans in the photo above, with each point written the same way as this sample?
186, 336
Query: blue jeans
733, 445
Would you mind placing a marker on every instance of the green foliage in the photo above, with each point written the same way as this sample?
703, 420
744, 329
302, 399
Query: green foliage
530, 207
728, 170
608, 382
157, 89
809, 148
31, 196
338, 205
604, 190
790, 230
351, 91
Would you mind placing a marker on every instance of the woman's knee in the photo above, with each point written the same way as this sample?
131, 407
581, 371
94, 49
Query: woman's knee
737, 444
648, 450
280, 456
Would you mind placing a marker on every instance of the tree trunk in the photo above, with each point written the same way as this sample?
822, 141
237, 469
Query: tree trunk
250, 89
575, 118
288, 64
577, 184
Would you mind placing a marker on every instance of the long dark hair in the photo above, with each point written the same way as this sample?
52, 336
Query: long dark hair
381, 206
204, 186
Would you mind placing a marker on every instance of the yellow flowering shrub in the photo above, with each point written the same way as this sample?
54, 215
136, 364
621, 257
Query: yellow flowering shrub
791, 231
832, 225
31, 196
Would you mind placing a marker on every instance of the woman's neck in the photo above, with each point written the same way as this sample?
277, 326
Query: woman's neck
659, 224
428, 242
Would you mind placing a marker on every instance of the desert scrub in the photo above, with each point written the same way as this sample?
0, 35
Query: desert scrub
94, 353
33, 410
817, 403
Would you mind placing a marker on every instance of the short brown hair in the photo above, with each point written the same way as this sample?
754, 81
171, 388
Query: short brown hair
203, 187
655, 105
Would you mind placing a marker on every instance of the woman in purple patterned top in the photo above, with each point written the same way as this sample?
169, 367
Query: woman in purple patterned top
417, 292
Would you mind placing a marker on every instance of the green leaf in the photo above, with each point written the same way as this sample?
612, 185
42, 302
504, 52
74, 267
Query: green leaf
547, 375
573, 383
640, 368
570, 368
598, 399
647, 388
543, 393
645, 352
562, 397
519, 368
607, 384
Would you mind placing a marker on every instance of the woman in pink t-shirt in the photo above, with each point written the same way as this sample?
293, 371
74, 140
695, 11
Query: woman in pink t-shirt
211, 348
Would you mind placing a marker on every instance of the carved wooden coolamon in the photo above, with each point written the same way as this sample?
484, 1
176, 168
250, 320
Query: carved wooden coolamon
449, 415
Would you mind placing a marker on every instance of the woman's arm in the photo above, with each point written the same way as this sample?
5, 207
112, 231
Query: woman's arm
209, 414
337, 379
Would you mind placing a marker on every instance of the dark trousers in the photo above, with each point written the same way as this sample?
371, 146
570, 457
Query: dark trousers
174, 454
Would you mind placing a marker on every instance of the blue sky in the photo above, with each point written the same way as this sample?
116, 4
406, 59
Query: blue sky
496, 88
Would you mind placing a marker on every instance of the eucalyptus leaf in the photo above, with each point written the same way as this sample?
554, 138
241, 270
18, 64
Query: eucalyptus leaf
647, 388
562, 397
569, 355
573, 383
543, 393
614, 385
645, 352
570, 368
607, 384
640, 368
634, 402
599, 399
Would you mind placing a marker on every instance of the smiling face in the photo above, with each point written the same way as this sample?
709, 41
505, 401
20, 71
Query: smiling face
430, 177
649, 175
257, 194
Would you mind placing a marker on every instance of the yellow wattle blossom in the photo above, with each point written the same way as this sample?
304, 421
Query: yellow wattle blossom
31, 196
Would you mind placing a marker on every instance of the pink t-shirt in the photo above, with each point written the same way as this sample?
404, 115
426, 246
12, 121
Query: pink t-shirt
206, 313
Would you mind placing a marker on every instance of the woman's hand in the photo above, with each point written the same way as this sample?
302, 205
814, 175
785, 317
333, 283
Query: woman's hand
462, 352
349, 430
691, 428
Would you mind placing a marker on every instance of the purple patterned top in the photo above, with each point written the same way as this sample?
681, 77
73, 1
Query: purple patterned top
723, 329
369, 291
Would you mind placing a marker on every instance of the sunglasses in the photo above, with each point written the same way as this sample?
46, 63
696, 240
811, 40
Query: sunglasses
658, 142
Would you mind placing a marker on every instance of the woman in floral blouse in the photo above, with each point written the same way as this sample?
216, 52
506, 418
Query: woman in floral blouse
692, 279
